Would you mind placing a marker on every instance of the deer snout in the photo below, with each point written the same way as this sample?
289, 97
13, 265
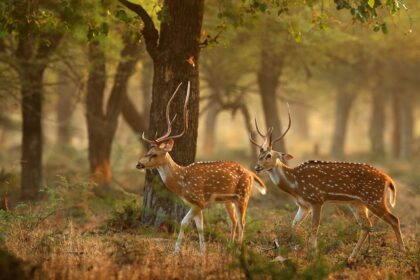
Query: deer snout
140, 165
258, 168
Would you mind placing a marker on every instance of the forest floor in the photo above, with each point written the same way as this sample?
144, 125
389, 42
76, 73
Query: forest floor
77, 232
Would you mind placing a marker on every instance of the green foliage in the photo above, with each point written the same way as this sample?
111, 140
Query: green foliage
125, 217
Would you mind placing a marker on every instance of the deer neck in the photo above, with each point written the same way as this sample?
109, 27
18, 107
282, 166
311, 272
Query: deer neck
170, 173
282, 176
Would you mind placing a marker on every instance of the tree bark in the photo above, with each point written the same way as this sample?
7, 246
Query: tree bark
250, 130
210, 128
32, 63
403, 125
103, 125
31, 103
344, 102
268, 80
377, 125
179, 40
64, 110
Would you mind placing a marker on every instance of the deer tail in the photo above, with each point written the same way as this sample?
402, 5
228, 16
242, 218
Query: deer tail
259, 184
393, 193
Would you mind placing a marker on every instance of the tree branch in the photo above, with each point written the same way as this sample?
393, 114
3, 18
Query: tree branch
134, 119
150, 33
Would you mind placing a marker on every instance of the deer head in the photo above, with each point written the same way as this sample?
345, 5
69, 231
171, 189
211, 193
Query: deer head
268, 158
161, 146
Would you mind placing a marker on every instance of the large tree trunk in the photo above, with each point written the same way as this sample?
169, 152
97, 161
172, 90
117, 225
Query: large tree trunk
64, 109
31, 102
403, 125
268, 80
103, 125
377, 125
344, 102
179, 39
147, 87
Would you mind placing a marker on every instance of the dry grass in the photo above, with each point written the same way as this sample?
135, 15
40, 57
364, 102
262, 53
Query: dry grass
59, 246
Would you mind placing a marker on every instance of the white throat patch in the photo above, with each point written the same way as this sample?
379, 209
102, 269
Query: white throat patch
277, 174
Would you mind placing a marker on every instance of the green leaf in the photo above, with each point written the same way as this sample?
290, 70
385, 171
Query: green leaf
384, 28
122, 15
371, 3
104, 28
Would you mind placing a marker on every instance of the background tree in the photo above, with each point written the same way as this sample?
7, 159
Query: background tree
171, 49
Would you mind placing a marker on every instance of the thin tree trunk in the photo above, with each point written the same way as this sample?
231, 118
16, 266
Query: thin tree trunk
377, 125
301, 119
64, 110
103, 125
249, 129
31, 103
98, 132
179, 40
210, 128
136, 121
268, 80
407, 126
396, 133
344, 102
403, 125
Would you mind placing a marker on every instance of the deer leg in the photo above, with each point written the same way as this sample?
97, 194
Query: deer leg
361, 214
184, 224
316, 217
230, 208
301, 214
198, 219
394, 222
240, 213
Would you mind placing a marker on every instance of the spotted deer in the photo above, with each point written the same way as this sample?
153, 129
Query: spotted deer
201, 184
315, 182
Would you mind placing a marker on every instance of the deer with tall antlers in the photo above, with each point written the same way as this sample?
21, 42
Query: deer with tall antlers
202, 183
314, 183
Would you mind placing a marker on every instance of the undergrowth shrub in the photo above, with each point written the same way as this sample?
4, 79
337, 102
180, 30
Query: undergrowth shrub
257, 266
125, 217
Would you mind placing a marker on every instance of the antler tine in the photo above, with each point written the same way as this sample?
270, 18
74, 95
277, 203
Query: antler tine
287, 129
168, 119
147, 140
185, 114
253, 141
269, 133
258, 129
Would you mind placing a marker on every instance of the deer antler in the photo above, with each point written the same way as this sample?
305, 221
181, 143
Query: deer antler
169, 122
264, 136
185, 115
285, 132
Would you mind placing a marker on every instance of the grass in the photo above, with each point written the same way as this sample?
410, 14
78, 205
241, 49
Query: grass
74, 234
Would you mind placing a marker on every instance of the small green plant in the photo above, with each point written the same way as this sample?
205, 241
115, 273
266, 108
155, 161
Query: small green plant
125, 217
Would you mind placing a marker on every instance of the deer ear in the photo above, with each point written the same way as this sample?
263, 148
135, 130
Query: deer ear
287, 156
169, 145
